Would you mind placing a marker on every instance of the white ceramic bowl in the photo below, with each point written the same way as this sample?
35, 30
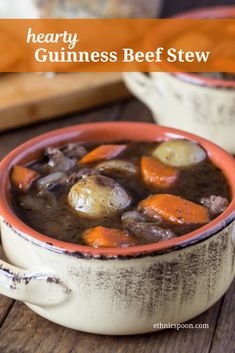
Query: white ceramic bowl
115, 290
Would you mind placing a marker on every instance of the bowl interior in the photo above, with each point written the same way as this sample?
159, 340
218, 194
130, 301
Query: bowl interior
108, 132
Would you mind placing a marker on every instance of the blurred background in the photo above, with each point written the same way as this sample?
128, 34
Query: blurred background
170, 7
101, 8
30, 98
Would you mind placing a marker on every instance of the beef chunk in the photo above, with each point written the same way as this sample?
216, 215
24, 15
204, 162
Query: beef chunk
50, 181
58, 161
74, 150
82, 173
136, 223
132, 216
148, 232
215, 204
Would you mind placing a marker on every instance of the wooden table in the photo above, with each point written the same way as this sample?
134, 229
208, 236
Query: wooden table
22, 331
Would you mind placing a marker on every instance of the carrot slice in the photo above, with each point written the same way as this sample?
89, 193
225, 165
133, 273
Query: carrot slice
108, 237
157, 174
174, 209
103, 152
23, 177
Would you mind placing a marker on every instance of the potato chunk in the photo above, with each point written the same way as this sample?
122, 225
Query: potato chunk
98, 196
179, 153
117, 166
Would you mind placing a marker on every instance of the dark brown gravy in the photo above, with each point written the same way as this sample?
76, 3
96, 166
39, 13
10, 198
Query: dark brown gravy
51, 215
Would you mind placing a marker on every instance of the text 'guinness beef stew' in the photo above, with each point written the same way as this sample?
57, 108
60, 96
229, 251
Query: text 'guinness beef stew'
120, 194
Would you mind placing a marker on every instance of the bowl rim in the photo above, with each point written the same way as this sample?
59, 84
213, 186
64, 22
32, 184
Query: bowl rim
211, 12
32, 148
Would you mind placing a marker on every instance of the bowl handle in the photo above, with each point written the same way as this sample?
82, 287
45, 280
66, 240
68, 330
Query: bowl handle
142, 86
38, 287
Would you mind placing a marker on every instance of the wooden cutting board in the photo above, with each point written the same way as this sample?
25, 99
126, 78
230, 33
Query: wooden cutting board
28, 98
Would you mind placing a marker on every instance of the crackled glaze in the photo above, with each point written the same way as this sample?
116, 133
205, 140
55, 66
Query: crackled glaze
116, 290
127, 296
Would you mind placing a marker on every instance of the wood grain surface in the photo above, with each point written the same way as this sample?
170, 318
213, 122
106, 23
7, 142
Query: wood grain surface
27, 98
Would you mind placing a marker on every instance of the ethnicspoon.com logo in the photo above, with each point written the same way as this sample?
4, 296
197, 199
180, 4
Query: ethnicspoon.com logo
177, 326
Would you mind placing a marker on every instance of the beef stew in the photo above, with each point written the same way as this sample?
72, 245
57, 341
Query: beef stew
120, 194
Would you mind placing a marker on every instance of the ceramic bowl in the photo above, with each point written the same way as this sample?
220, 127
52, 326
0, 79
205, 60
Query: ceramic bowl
187, 101
116, 291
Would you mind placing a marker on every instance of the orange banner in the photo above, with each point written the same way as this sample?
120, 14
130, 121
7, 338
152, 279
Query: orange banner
91, 45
